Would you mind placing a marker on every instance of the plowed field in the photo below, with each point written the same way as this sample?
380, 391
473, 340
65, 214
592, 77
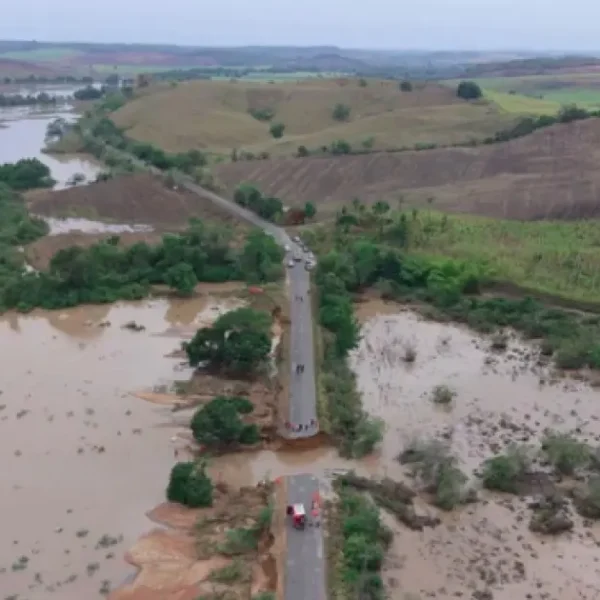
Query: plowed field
139, 198
552, 173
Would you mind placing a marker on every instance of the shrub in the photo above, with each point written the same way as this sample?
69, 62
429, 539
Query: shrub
302, 151
340, 147
362, 82
565, 453
277, 130
442, 394
504, 472
438, 470
587, 500
190, 485
406, 86
262, 114
341, 112
410, 352
468, 90
218, 423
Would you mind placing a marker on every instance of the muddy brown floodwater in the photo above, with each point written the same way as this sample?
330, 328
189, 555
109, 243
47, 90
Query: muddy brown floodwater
83, 460
500, 398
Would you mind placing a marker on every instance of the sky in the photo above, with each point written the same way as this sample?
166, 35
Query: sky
385, 24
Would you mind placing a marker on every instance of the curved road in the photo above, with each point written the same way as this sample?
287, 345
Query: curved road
305, 571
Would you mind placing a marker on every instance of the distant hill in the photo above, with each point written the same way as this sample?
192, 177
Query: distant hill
533, 66
218, 115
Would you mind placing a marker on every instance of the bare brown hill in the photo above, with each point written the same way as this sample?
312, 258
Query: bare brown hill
139, 198
552, 173
217, 115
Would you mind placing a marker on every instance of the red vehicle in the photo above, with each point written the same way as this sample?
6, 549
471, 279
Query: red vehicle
298, 514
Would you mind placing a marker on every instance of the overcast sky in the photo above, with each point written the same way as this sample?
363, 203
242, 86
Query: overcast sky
424, 24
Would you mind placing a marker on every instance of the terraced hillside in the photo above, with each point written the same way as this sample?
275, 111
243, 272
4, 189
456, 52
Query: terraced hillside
216, 115
550, 174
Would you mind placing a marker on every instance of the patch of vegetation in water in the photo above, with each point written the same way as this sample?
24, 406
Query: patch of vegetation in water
106, 272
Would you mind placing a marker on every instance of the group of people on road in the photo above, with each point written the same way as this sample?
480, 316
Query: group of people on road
300, 298
301, 427
299, 368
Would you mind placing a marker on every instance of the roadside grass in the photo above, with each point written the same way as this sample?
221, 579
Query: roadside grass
522, 105
559, 258
589, 97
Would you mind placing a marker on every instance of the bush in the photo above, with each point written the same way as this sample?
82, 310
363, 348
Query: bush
25, 174
341, 112
262, 114
406, 86
587, 501
302, 151
468, 90
218, 423
89, 93
565, 453
438, 471
277, 130
340, 147
190, 485
505, 472
442, 394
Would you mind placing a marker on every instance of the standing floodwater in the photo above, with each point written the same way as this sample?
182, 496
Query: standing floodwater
23, 133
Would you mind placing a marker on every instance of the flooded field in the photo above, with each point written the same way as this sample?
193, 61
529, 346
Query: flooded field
499, 398
84, 459
22, 135
68, 225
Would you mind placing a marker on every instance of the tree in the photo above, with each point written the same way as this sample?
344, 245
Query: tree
239, 341
362, 82
406, 86
277, 130
190, 485
310, 210
468, 90
25, 174
341, 112
340, 147
302, 151
182, 278
89, 93
261, 259
218, 423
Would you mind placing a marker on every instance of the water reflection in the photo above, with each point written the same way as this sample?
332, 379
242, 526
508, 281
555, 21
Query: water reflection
23, 133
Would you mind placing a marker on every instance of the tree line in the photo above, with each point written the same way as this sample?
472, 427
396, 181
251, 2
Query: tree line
106, 272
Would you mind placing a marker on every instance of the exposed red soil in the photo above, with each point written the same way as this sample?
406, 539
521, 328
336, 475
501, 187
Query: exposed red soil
138, 198
176, 563
550, 174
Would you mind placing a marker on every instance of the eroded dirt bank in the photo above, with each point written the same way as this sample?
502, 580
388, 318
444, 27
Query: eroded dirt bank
84, 459
500, 398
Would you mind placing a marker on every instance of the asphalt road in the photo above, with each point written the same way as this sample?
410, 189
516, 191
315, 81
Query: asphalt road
305, 561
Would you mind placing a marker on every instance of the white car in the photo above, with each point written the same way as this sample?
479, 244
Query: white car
290, 263
296, 239
287, 248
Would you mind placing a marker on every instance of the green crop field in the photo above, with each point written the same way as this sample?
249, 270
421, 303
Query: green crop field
582, 89
522, 105
554, 257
